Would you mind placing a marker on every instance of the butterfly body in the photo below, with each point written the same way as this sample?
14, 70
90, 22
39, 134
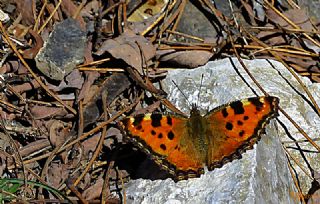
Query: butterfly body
183, 146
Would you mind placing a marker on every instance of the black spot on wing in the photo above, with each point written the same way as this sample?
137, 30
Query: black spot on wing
241, 133
153, 132
169, 120
160, 136
170, 135
229, 126
240, 122
156, 120
237, 107
256, 102
163, 147
224, 113
137, 120
245, 117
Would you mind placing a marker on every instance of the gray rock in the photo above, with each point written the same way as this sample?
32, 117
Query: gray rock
63, 50
194, 22
262, 175
312, 7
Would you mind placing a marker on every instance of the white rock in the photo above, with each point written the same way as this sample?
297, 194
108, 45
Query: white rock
262, 175
4, 17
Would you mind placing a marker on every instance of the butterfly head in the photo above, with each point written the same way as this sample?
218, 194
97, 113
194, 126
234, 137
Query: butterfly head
194, 110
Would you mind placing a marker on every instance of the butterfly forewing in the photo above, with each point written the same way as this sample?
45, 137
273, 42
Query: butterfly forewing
235, 127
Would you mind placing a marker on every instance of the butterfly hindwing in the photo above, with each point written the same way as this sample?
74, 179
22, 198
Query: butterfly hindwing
165, 139
236, 127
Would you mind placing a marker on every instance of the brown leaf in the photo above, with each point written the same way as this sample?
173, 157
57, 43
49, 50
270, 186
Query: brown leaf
90, 144
300, 64
57, 173
188, 59
21, 88
90, 79
93, 191
114, 136
90, 9
3, 163
73, 80
131, 48
297, 16
26, 9
13, 66
33, 147
57, 132
42, 112
70, 9
32, 52
50, 7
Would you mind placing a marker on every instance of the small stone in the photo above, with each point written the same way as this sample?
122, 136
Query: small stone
63, 50
4, 17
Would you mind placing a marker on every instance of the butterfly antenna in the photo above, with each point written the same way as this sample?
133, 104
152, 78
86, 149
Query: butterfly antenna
199, 90
181, 92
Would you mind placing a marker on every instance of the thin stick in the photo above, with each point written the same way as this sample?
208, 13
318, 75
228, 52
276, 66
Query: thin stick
181, 92
51, 15
199, 90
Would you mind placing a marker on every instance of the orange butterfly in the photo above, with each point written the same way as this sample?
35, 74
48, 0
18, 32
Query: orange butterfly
183, 146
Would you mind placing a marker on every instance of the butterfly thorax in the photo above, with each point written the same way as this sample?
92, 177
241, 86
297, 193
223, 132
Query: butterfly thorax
197, 129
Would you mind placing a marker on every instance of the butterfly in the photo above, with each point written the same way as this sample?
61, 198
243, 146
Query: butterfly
184, 146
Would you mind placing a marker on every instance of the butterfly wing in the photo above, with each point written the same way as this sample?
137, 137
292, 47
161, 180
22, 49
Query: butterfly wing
165, 139
236, 127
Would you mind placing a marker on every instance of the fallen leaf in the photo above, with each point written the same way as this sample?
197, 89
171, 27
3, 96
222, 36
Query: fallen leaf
32, 52
93, 191
26, 9
129, 47
57, 173
90, 144
187, 59
27, 86
297, 16
70, 9
42, 112
57, 132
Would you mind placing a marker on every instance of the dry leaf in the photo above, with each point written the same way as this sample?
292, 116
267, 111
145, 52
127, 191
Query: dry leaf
26, 9
32, 52
93, 191
42, 112
57, 173
188, 59
129, 47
